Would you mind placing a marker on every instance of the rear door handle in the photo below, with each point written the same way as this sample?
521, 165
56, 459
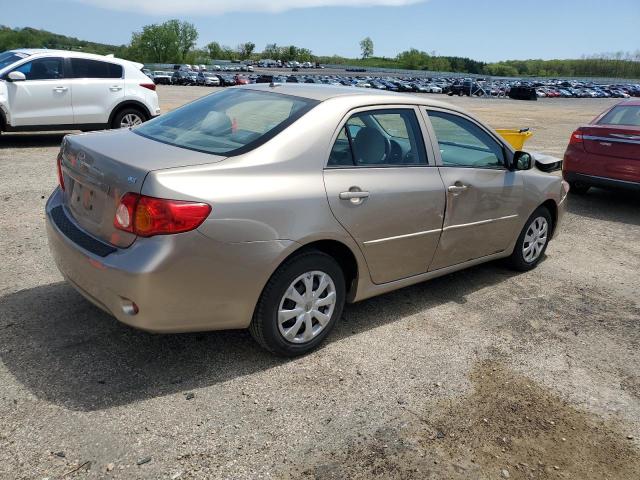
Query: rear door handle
457, 188
354, 196
115, 88
60, 89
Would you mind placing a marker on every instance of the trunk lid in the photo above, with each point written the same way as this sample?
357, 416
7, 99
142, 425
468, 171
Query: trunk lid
99, 168
612, 141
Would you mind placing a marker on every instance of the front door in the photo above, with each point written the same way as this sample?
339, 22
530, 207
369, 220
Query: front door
44, 98
385, 192
483, 197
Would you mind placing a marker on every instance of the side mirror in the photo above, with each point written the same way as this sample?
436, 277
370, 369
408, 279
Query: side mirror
522, 161
16, 76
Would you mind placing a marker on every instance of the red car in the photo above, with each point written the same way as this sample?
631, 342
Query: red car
606, 152
240, 80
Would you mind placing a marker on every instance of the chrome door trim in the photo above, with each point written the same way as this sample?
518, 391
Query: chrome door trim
609, 139
481, 222
400, 237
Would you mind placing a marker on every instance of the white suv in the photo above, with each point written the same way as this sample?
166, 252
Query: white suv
61, 90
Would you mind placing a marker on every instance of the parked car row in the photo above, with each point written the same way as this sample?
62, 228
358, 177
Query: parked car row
445, 85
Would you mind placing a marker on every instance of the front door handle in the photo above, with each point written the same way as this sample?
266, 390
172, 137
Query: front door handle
60, 89
458, 188
354, 195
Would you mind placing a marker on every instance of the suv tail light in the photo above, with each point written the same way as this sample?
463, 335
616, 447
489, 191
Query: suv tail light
150, 86
149, 216
576, 137
59, 168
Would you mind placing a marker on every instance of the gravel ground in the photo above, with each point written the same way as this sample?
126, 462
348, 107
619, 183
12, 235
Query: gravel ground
481, 374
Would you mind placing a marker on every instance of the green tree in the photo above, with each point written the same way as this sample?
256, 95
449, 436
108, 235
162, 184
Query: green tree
170, 41
245, 50
215, 51
366, 45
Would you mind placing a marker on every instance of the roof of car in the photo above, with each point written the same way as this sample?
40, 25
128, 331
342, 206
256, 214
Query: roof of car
325, 92
70, 53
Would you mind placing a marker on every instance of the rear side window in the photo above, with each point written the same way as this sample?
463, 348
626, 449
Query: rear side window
230, 122
83, 68
379, 138
42, 69
462, 143
622, 115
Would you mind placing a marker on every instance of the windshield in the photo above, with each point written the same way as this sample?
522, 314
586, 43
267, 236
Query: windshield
8, 58
227, 123
622, 115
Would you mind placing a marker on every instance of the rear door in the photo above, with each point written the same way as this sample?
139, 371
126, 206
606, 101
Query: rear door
44, 98
97, 87
385, 191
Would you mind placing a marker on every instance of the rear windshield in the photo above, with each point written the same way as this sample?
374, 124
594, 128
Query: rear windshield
8, 58
227, 123
622, 115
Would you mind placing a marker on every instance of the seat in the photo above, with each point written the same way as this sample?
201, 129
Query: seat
369, 147
38, 71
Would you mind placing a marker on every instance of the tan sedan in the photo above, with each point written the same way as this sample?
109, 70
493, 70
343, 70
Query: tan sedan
269, 206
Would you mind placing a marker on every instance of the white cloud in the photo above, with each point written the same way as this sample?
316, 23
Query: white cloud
217, 7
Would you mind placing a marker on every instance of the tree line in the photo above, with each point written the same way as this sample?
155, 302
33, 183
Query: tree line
175, 41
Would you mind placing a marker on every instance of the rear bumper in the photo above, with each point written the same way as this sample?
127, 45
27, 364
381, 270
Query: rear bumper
180, 283
603, 182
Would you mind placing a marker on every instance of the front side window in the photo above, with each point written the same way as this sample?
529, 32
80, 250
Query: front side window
83, 68
42, 69
379, 138
462, 143
622, 115
227, 123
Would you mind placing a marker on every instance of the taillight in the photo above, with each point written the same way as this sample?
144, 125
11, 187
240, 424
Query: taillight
150, 86
59, 167
149, 216
576, 137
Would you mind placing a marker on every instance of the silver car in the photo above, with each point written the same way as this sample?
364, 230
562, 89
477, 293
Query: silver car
269, 206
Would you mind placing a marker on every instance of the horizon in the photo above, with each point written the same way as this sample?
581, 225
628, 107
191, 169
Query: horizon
305, 24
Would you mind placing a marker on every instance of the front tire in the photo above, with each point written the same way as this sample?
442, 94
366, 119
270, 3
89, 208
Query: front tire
300, 304
532, 241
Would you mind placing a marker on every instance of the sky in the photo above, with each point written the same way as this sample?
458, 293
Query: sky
489, 31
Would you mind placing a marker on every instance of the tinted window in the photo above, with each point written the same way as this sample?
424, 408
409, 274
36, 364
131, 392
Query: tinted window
463, 144
622, 115
83, 68
42, 69
379, 138
229, 122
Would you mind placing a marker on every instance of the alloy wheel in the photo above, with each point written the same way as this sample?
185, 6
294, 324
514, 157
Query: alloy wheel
130, 120
306, 307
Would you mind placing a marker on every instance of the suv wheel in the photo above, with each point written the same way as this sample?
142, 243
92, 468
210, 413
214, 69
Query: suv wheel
299, 305
128, 117
533, 241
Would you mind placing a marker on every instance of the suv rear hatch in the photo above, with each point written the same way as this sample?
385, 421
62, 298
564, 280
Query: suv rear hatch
99, 168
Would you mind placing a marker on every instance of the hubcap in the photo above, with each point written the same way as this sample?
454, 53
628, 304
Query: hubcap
306, 307
535, 239
130, 120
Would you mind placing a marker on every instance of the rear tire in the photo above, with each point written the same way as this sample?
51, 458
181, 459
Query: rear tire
128, 117
300, 304
578, 188
532, 241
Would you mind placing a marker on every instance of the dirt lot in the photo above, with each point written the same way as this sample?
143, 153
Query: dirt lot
482, 374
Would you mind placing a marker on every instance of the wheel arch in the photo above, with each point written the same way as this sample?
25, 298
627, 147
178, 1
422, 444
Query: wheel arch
128, 104
552, 207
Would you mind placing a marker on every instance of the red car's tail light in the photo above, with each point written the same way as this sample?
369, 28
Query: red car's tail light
150, 86
149, 216
576, 137
59, 168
